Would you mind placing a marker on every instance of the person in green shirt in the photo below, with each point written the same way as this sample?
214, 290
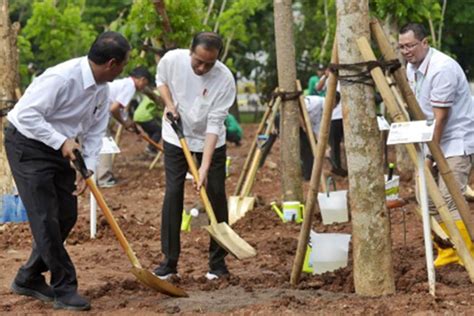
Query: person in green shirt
233, 129
148, 116
314, 80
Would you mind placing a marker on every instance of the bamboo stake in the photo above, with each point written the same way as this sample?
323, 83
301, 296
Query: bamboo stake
417, 114
433, 189
312, 204
309, 130
155, 160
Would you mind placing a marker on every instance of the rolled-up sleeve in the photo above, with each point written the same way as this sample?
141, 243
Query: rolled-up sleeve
443, 89
220, 108
162, 71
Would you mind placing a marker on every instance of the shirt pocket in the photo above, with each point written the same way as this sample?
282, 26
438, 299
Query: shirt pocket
198, 114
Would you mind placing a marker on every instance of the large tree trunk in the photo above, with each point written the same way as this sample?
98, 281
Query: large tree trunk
373, 271
290, 145
8, 84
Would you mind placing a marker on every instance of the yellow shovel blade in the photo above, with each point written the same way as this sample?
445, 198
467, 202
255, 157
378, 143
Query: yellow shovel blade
152, 281
238, 207
230, 241
469, 193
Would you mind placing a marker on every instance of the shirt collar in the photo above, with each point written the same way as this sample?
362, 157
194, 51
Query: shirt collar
87, 75
423, 69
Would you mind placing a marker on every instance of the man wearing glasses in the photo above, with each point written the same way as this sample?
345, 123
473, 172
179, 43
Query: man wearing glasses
443, 93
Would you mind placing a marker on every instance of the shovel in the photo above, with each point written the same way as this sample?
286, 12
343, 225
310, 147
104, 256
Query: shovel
145, 276
239, 205
220, 232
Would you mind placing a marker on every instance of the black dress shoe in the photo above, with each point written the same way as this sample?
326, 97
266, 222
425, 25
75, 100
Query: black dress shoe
37, 289
72, 302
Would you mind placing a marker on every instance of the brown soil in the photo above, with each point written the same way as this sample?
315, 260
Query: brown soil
257, 285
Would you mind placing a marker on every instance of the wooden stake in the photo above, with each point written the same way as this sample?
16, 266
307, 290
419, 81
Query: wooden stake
433, 189
312, 205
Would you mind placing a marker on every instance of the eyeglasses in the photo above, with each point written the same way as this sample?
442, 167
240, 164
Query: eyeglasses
408, 47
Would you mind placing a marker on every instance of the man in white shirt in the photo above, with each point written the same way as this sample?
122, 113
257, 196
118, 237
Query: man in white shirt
443, 93
199, 90
314, 106
67, 102
121, 92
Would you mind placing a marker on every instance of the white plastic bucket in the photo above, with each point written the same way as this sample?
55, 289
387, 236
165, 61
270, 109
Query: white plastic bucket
329, 251
333, 207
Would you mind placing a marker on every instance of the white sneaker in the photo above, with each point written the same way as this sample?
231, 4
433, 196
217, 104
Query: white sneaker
211, 276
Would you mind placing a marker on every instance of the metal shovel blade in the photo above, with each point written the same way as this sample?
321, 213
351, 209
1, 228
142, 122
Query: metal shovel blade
230, 241
239, 206
152, 281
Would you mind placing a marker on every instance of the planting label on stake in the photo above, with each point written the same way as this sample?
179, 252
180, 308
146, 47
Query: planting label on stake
411, 132
109, 146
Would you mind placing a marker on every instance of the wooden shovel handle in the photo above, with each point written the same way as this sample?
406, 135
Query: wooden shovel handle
81, 167
192, 168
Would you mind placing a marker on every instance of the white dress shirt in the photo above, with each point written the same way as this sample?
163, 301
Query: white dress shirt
440, 82
64, 102
202, 102
122, 91
314, 104
337, 111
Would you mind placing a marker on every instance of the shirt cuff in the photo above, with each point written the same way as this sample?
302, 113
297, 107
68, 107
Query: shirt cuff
90, 163
56, 140
213, 129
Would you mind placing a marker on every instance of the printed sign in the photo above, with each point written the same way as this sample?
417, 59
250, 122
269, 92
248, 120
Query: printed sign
411, 132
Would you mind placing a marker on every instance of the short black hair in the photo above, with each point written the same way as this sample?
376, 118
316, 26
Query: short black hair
418, 29
107, 46
141, 72
208, 40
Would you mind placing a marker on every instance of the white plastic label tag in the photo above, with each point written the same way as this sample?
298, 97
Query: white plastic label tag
411, 132
382, 123
109, 146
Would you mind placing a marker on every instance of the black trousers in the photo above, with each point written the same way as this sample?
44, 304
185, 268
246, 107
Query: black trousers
306, 155
45, 182
336, 135
175, 169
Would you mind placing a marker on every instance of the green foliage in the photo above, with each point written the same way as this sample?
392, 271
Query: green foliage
54, 35
408, 10
144, 25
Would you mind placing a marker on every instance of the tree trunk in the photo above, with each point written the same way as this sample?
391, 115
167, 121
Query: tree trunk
161, 11
290, 144
373, 271
404, 166
8, 84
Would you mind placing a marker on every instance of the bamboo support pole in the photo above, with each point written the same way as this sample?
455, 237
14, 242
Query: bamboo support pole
312, 204
417, 114
433, 190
